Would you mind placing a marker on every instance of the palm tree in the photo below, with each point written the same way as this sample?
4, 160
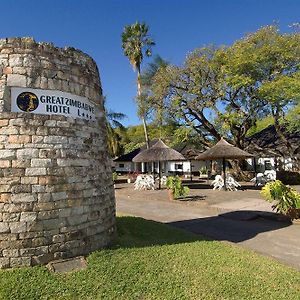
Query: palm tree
113, 136
147, 78
136, 43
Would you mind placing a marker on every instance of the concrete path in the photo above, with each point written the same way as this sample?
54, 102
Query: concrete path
236, 219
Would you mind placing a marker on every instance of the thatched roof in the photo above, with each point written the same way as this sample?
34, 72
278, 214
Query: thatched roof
223, 150
158, 152
268, 143
129, 156
188, 151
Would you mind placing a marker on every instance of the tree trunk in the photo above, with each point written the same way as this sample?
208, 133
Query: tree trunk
237, 171
280, 133
143, 117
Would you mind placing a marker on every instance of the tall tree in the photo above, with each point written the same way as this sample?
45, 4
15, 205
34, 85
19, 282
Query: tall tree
224, 91
269, 62
136, 43
154, 107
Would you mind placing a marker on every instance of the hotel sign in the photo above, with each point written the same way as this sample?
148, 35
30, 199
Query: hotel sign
51, 102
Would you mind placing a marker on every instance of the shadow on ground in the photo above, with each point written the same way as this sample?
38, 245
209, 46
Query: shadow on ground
236, 226
204, 184
138, 232
192, 198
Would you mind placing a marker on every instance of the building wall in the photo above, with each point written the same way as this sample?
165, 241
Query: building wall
57, 197
124, 166
186, 166
270, 163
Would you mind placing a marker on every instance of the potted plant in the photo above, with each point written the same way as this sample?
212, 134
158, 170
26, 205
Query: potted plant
203, 172
175, 187
114, 177
128, 178
285, 199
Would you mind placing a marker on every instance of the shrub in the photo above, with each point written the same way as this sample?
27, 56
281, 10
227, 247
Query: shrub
286, 199
203, 171
114, 176
175, 185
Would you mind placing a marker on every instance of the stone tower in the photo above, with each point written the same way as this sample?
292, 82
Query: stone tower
57, 197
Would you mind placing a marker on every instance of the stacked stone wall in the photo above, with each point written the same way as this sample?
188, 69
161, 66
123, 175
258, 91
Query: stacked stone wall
57, 197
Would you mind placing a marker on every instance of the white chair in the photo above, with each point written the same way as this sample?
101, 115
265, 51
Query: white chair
218, 182
144, 182
163, 180
259, 180
231, 183
270, 175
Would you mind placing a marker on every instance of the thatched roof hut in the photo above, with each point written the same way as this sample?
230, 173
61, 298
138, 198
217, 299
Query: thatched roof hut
223, 150
158, 152
190, 152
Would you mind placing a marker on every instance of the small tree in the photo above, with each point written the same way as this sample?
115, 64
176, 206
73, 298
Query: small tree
174, 184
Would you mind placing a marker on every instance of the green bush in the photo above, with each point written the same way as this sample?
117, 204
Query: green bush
203, 171
286, 199
114, 176
175, 185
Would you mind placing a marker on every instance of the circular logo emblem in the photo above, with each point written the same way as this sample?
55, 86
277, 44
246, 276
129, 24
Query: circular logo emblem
27, 101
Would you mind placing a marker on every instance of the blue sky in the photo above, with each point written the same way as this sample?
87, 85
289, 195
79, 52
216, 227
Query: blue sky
177, 26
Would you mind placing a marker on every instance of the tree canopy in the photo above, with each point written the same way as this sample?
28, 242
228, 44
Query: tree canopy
224, 91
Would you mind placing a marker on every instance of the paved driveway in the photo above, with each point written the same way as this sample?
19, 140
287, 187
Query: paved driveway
240, 217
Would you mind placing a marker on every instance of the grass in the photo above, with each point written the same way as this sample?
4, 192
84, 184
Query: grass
154, 261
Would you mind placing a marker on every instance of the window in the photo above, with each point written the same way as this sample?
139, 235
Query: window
178, 167
268, 165
121, 165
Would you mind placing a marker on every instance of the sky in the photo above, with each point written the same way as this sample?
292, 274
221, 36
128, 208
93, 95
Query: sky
177, 26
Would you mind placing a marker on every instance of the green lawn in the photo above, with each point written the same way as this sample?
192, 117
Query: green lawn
154, 261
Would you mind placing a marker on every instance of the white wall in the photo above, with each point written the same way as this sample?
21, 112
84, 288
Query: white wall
282, 163
186, 166
128, 166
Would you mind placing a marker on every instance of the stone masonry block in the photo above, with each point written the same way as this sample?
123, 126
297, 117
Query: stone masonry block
20, 262
35, 171
4, 227
19, 139
16, 80
23, 197
28, 216
21, 163
64, 162
29, 180
4, 262
52, 139
7, 154
17, 227
41, 162
27, 153
10, 253
5, 163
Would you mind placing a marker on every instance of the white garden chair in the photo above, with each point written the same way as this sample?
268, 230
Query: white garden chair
270, 175
218, 182
163, 180
231, 183
259, 180
144, 182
